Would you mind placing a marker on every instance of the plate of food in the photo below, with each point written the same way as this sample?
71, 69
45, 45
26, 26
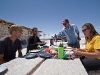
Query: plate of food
43, 43
53, 51
54, 47
31, 55
68, 49
45, 55
34, 51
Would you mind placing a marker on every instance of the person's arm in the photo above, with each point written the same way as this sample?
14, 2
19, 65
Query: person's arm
2, 50
19, 53
95, 54
39, 42
77, 31
19, 49
82, 50
38, 39
78, 37
1, 59
61, 35
29, 42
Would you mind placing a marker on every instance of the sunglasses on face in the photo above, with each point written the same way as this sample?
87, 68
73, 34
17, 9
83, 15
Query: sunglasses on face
84, 30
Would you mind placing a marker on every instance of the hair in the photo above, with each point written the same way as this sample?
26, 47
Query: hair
34, 28
93, 32
15, 28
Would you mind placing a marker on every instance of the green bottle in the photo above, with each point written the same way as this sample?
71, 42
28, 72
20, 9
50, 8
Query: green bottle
61, 52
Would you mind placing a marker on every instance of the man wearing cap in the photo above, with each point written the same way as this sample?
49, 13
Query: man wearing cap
71, 33
10, 44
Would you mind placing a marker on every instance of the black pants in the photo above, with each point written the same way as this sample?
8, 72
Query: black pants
90, 64
76, 45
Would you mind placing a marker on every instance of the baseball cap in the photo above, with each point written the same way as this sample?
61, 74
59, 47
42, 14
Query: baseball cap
65, 21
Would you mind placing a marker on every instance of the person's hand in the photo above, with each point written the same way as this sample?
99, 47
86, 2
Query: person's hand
76, 51
59, 37
39, 43
79, 38
45, 42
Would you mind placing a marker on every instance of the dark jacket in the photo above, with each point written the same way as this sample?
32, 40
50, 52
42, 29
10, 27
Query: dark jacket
32, 43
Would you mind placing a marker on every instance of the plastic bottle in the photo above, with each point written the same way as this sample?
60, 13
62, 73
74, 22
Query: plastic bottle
60, 52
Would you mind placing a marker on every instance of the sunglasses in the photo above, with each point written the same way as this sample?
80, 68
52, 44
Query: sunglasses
84, 30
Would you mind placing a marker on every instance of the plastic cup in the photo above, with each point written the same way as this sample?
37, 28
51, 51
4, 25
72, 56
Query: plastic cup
65, 56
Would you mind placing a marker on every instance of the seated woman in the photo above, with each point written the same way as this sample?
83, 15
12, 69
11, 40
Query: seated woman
91, 53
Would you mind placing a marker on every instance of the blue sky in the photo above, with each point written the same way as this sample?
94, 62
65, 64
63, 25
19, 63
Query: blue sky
48, 14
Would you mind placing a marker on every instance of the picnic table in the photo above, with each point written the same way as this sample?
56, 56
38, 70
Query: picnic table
22, 66
40, 66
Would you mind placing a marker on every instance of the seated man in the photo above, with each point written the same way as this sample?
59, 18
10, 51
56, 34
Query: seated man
9, 45
33, 41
